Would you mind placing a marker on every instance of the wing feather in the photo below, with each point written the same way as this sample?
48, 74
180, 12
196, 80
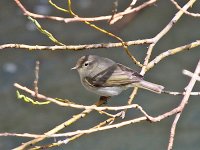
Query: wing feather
115, 75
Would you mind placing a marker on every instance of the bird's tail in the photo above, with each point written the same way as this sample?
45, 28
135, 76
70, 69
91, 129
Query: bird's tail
151, 86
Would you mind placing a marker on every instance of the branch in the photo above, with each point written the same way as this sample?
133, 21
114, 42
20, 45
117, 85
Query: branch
172, 132
108, 124
185, 11
178, 110
59, 127
37, 67
155, 40
81, 19
183, 104
163, 32
107, 33
170, 52
181, 93
78, 133
116, 17
76, 47
68, 104
190, 74
67, 140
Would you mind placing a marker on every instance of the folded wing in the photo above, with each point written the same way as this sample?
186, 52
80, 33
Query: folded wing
115, 75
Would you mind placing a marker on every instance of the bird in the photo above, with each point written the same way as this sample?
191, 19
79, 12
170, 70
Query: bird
107, 78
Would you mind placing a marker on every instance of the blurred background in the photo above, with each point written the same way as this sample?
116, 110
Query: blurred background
57, 80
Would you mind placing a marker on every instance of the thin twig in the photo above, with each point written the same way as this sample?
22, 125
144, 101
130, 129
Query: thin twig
37, 67
163, 32
170, 52
69, 139
88, 109
107, 33
183, 104
114, 11
69, 134
181, 93
115, 17
81, 19
153, 119
75, 47
190, 74
73, 105
58, 128
185, 11
155, 40
173, 130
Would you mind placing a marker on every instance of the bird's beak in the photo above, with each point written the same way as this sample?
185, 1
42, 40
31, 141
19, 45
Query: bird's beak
74, 68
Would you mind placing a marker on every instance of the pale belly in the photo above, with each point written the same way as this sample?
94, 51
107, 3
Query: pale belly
106, 91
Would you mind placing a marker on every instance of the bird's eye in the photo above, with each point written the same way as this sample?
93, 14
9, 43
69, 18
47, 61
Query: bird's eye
86, 64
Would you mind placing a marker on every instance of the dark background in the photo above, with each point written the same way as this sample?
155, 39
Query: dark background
57, 80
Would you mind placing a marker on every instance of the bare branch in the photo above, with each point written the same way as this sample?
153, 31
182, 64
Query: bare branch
36, 78
155, 40
75, 47
185, 11
190, 74
110, 121
172, 132
163, 32
181, 93
81, 19
183, 104
58, 127
73, 105
172, 52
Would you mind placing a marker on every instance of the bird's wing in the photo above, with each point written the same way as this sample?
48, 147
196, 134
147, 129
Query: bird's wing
115, 75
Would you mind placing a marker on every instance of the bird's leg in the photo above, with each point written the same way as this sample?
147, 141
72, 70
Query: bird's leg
103, 99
